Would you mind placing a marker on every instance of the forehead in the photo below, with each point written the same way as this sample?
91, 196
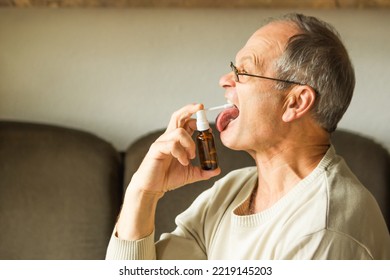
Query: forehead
268, 42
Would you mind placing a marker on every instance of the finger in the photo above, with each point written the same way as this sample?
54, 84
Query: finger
180, 153
177, 143
207, 174
186, 142
163, 150
180, 117
190, 126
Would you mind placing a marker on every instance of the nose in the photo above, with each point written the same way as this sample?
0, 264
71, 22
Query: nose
227, 80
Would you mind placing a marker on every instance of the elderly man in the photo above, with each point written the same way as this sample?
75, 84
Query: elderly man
290, 84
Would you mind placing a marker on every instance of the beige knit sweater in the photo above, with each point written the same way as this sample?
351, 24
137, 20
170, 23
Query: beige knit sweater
327, 215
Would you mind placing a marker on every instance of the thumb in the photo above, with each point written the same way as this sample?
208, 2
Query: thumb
201, 175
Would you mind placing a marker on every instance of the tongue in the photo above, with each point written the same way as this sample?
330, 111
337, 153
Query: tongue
225, 117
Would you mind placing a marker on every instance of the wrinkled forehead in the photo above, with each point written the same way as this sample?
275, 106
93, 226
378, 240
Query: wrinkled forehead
268, 42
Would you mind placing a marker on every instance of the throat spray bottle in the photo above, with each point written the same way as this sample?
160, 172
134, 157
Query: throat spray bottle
205, 143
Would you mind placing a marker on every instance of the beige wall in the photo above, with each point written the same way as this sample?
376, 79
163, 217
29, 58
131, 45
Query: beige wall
121, 73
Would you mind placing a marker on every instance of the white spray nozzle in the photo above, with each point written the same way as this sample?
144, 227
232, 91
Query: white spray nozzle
202, 123
225, 106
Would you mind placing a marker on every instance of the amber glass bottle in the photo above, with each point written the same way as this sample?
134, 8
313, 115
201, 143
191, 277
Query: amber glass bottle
205, 143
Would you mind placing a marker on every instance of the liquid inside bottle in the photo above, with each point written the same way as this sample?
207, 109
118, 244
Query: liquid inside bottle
205, 143
206, 150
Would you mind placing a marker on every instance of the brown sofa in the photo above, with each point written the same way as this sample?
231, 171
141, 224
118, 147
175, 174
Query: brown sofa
61, 188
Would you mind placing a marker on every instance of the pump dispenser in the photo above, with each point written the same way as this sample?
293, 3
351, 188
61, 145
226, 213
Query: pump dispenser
205, 143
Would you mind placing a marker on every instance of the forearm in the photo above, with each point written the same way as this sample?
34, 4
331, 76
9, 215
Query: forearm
137, 216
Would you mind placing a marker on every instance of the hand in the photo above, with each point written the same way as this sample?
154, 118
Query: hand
167, 165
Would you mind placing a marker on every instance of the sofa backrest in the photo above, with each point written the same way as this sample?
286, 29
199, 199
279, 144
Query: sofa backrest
60, 191
368, 160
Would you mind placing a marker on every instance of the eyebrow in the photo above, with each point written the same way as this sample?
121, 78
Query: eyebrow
257, 63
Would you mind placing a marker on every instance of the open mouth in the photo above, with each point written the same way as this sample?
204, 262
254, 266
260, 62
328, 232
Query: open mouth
225, 117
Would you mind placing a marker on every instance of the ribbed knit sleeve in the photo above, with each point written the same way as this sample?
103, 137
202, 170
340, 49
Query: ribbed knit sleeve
142, 249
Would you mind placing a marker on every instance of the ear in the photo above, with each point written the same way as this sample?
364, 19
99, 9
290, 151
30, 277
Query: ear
298, 102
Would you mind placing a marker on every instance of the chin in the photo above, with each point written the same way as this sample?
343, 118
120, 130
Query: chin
229, 140
239, 139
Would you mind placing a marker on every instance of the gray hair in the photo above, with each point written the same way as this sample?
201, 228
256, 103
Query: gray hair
317, 57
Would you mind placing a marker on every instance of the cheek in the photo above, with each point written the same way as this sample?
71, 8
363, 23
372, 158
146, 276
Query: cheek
263, 116
261, 106
261, 111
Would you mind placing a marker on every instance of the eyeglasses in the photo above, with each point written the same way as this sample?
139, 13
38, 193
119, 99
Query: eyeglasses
237, 74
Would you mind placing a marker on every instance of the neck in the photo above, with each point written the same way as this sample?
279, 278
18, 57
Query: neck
282, 167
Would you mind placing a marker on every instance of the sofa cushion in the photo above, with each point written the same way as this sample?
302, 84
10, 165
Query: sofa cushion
60, 191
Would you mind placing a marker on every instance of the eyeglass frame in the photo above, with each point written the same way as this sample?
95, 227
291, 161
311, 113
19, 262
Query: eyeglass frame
237, 78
